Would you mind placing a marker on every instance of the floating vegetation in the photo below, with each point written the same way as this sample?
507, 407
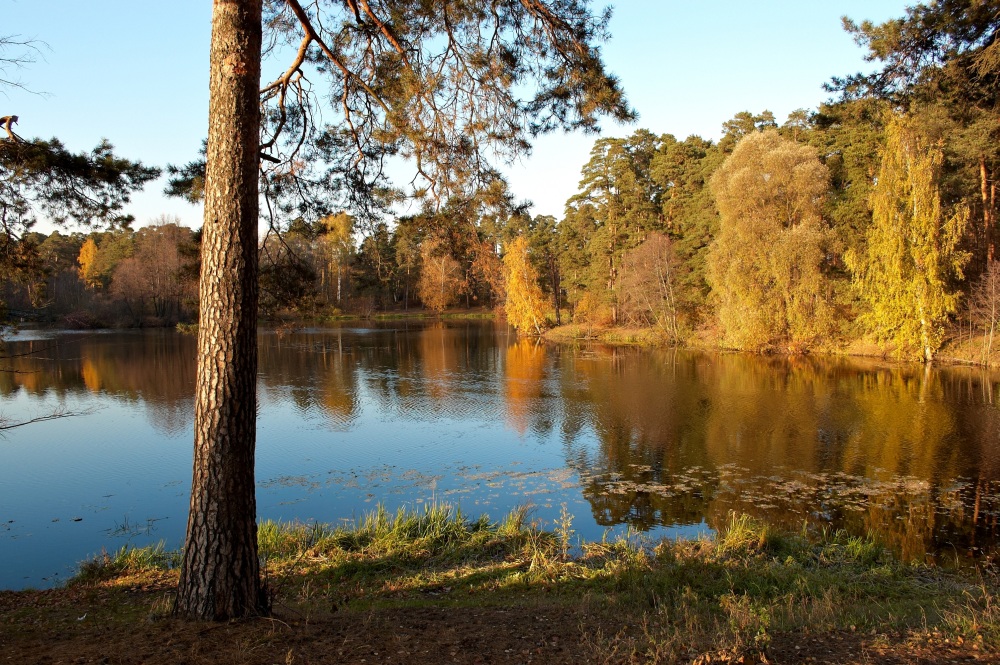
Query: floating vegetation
130, 529
912, 516
918, 520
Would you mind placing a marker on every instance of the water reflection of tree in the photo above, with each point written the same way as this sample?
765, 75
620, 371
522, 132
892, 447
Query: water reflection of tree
441, 371
405, 369
154, 367
440, 352
891, 429
903, 452
313, 371
645, 414
959, 508
340, 391
771, 413
980, 425
523, 386
903, 428
905, 432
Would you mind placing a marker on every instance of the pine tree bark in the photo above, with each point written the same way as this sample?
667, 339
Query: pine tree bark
220, 576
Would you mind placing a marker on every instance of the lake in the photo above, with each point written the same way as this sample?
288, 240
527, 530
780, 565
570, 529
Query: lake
406, 413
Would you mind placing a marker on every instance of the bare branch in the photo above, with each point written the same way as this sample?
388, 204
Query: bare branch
16, 53
6, 424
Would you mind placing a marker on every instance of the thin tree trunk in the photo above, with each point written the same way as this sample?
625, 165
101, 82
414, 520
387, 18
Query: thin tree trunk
220, 577
984, 188
611, 286
993, 214
554, 278
989, 346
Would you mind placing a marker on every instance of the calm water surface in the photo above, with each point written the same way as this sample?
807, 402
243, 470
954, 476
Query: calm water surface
660, 441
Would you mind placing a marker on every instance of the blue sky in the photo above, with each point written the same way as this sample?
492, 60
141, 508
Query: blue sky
136, 72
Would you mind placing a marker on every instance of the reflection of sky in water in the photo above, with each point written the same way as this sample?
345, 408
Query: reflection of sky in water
667, 443
67, 482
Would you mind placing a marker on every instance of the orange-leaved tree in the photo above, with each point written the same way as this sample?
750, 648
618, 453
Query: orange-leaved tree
440, 276
525, 303
87, 259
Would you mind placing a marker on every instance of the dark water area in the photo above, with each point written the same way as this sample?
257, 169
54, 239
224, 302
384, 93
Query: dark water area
657, 441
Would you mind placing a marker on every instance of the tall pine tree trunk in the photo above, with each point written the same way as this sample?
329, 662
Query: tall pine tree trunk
220, 575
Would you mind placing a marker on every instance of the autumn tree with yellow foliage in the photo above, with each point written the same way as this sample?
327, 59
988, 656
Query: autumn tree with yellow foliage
525, 304
336, 242
87, 259
765, 265
904, 273
441, 279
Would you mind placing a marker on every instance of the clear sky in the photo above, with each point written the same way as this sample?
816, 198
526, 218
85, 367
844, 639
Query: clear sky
136, 72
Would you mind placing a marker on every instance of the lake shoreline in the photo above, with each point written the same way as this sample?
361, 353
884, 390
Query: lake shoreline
291, 321
962, 351
954, 352
433, 586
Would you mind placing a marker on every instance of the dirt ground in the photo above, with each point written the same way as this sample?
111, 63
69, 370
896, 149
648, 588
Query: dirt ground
75, 626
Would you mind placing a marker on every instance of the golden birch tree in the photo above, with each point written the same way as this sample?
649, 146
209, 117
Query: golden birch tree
904, 272
87, 259
440, 280
337, 243
525, 302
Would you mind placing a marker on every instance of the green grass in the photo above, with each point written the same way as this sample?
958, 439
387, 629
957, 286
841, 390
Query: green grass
730, 593
439, 528
617, 336
478, 315
125, 561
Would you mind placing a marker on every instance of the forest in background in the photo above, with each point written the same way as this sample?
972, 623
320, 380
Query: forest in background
870, 220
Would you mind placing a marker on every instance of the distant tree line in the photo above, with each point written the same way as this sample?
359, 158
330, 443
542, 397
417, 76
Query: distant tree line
871, 218
118, 277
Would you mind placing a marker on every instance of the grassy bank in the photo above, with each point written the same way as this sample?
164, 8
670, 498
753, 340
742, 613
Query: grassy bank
435, 586
959, 349
573, 332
